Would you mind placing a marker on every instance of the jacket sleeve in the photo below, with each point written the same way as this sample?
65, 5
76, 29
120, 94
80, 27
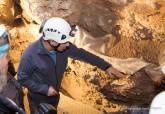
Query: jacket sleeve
25, 72
83, 55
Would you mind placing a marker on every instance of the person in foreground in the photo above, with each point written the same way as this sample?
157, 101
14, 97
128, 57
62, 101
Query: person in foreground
10, 90
44, 62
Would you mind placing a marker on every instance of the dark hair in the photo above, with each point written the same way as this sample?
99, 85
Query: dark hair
42, 26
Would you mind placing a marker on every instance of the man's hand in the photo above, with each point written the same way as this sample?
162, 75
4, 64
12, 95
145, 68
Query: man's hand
52, 91
114, 72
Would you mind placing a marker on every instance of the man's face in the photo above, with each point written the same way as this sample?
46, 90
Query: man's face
3, 70
62, 47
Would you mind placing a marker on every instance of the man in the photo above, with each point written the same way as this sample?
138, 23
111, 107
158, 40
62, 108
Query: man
43, 63
9, 87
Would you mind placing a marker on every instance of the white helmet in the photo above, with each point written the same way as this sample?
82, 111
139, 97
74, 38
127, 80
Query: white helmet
158, 104
56, 29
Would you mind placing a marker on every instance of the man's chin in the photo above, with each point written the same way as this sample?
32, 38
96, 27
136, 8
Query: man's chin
62, 50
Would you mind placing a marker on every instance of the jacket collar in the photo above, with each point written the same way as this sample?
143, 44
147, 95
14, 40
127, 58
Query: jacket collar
41, 49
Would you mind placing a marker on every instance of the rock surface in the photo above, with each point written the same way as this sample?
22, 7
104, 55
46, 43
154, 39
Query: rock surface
92, 86
7, 11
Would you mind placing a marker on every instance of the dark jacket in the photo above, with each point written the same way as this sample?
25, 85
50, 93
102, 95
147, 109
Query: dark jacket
8, 107
37, 71
13, 91
4, 106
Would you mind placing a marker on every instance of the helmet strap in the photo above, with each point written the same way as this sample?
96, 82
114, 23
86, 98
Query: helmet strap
43, 34
54, 47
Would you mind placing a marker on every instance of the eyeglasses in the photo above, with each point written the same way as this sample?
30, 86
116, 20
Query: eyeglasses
4, 38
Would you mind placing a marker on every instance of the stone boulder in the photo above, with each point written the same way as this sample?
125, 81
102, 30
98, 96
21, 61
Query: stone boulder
80, 12
7, 11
